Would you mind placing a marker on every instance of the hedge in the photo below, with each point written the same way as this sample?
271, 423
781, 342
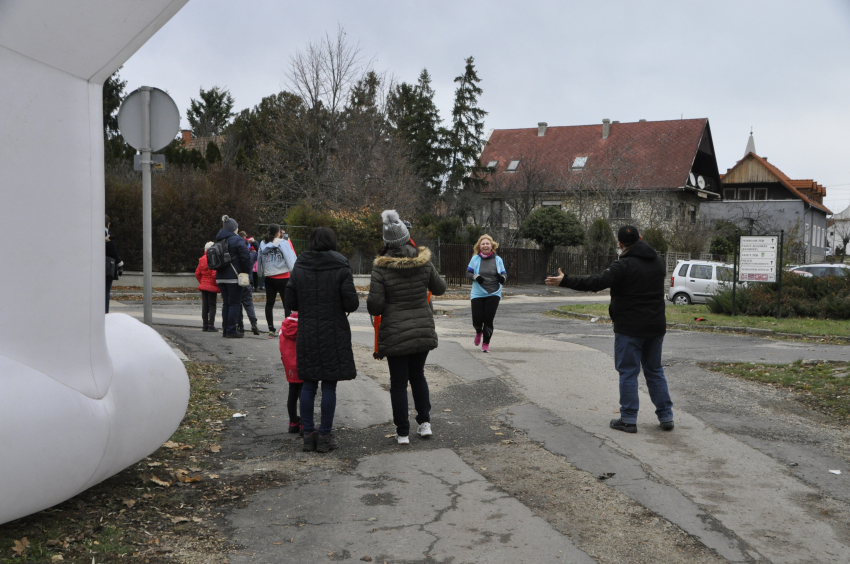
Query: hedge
822, 298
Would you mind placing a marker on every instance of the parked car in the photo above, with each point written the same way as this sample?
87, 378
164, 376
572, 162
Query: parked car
693, 281
822, 269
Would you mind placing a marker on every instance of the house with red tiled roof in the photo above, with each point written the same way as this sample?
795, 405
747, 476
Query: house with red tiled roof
760, 199
646, 173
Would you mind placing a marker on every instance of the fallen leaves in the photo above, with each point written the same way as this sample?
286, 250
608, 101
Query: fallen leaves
159, 482
129, 502
176, 520
215, 448
171, 444
20, 546
57, 558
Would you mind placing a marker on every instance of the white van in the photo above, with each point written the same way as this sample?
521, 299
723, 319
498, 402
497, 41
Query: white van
693, 281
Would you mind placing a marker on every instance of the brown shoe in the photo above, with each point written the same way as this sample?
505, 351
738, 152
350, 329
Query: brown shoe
310, 441
327, 443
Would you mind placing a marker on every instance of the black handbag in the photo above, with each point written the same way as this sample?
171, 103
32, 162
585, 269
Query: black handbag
110, 268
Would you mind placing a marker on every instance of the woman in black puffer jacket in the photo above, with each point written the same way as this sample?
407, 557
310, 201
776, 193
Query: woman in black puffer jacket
402, 276
321, 289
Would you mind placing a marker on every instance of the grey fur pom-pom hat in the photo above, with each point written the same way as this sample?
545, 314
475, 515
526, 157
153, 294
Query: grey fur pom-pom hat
395, 232
229, 223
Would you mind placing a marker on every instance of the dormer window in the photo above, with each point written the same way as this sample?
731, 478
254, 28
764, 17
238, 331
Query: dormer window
513, 166
579, 163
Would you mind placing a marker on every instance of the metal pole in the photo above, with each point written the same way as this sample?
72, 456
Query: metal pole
779, 276
735, 272
147, 255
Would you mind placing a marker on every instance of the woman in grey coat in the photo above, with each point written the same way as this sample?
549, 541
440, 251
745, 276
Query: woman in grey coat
402, 278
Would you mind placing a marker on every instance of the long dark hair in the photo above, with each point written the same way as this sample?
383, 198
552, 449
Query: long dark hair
274, 229
322, 239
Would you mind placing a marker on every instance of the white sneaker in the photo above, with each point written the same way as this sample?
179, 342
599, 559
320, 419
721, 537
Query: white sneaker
425, 430
402, 440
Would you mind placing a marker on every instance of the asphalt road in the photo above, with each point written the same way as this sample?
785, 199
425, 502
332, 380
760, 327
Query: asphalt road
743, 477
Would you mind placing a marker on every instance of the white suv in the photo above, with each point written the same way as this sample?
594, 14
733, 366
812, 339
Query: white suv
693, 281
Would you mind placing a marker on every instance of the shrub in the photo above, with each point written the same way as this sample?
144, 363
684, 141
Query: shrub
824, 298
654, 237
187, 206
551, 227
600, 239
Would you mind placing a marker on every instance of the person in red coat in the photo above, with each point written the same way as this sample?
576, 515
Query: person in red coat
288, 334
208, 287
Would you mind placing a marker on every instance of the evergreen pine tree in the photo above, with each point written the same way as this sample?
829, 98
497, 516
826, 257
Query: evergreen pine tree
464, 141
211, 114
113, 143
213, 154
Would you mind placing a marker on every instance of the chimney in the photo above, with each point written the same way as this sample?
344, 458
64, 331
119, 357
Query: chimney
541, 128
641, 119
606, 128
187, 135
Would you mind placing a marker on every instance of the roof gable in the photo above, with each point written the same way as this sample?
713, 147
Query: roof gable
753, 169
652, 154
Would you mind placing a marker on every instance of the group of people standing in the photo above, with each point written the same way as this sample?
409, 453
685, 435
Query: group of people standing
318, 293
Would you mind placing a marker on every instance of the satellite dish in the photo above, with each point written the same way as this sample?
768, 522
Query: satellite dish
700, 182
164, 117
692, 179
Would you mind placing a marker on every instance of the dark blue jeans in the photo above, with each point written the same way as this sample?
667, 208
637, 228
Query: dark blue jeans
630, 354
404, 369
308, 396
231, 306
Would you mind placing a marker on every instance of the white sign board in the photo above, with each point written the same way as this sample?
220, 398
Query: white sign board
757, 261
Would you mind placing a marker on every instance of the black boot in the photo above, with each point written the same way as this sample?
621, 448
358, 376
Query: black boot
326, 443
254, 329
310, 441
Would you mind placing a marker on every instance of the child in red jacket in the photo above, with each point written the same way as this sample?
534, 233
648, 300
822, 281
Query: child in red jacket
288, 333
209, 289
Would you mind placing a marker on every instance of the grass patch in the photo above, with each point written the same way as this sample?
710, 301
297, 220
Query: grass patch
685, 315
824, 386
162, 505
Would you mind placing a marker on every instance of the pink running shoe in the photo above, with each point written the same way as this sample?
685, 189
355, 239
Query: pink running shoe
477, 340
485, 348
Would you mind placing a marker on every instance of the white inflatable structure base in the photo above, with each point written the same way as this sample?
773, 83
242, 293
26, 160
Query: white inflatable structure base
82, 394
64, 442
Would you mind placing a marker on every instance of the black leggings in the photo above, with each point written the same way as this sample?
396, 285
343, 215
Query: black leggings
483, 314
292, 402
275, 286
208, 300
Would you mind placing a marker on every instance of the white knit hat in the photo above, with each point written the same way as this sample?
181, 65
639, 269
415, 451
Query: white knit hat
395, 232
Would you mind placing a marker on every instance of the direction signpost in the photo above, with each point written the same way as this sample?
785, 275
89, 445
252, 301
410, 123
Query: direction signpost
759, 259
148, 120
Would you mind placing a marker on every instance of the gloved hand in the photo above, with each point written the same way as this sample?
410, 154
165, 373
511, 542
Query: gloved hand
120, 268
478, 278
501, 278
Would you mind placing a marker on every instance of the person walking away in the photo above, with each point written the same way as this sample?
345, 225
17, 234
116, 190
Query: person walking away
289, 357
113, 259
321, 289
276, 261
227, 277
637, 309
488, 275
402, 277
254, 248
209, 291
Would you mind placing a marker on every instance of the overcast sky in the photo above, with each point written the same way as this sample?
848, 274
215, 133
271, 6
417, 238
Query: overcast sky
782, 67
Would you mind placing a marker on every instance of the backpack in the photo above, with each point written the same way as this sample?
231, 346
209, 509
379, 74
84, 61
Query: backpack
218, 256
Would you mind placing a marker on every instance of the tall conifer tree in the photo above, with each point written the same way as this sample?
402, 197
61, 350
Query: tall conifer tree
464, 141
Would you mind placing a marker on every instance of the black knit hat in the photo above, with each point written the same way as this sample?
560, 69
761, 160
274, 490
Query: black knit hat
628, 235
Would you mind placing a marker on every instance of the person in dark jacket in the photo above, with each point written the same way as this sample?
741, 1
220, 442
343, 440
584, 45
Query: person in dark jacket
112, 253
402, 277
227, 278
321, 289
637, 309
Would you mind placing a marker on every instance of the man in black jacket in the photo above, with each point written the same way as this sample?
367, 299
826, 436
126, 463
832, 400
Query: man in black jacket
637, 307
227, 277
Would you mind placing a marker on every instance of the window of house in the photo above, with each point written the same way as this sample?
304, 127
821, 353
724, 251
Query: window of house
728, 193
552, 203
701, 271
668, 211
492, 164
621, 210
692, 214
743, 193
760, 194
513, 166
579, 163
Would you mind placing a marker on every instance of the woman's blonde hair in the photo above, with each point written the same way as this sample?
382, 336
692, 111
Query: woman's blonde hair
477, 247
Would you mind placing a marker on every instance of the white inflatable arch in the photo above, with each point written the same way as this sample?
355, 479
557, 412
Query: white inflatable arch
83, 395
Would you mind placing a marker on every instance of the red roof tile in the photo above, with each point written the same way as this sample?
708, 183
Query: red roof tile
660, 153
